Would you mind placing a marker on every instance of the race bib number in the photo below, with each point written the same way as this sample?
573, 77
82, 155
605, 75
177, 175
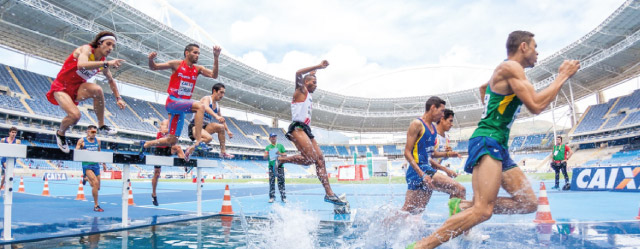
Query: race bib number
87, 74
486, 106
185, 88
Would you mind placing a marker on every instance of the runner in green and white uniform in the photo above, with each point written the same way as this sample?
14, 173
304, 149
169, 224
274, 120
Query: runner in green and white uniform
489, 161
492, 134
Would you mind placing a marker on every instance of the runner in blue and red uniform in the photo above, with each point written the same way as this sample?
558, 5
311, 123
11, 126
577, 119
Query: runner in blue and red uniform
181, 85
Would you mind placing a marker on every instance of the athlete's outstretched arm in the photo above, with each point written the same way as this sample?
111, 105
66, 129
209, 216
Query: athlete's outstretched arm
537, 102
439, 166
445, 154
214, 72
84, 63
114, 88
173, 64
205, 102
323, 64
80, 144
226, 127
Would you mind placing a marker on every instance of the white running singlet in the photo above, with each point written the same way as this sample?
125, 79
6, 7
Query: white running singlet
441, 145
301, 111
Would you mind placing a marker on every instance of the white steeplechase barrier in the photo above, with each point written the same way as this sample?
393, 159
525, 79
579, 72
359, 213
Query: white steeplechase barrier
14, 151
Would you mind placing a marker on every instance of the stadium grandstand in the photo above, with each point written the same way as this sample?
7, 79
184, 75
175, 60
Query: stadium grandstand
352, 132
606, 55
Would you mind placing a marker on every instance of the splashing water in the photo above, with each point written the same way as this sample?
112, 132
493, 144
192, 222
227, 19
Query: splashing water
288, 227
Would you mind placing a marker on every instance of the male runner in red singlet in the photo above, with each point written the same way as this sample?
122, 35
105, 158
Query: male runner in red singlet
300, 133
71, 86
181, 85
162, 151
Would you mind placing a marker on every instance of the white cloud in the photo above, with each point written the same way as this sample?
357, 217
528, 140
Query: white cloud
456, 55
371, 43
251, 33
255, 59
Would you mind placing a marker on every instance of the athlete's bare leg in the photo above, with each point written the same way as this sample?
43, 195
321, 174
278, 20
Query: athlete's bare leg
448, 185
2, 185
198, 110
415, 201
218, 128
93, 91
169, 140
154, 180
198, 114
522, 201
206, 136
486, 180
177, 150
95, 185
73, 113
310, 153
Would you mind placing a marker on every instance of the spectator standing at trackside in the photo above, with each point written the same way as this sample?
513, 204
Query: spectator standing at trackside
271, 153
561, 153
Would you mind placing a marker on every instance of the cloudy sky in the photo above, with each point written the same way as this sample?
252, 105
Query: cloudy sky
445, 45
376, 48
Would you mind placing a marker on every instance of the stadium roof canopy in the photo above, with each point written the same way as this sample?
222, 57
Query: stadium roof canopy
52, 29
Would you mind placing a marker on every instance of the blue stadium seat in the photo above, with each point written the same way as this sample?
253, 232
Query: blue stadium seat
342, 150
329, 150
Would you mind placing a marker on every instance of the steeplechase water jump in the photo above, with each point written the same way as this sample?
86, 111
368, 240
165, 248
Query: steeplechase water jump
156, 124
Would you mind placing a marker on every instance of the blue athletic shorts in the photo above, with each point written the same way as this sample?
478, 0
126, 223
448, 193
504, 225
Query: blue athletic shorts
94, 167
480, 146
414, 182
176, 108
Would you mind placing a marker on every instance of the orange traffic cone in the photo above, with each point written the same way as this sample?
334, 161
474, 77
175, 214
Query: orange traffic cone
45, 190
544, 211
226, 202
131, 195
21, 188
226, 224
80, 195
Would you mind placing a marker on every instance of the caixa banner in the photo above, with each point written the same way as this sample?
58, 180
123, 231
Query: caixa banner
625, 178
55, 176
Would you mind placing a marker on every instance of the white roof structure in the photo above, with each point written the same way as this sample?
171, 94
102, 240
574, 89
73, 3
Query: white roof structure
52, 29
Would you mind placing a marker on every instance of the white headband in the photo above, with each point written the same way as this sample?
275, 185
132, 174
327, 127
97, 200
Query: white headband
107, 37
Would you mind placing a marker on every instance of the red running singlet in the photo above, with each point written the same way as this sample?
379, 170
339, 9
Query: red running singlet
71, 77
183, 81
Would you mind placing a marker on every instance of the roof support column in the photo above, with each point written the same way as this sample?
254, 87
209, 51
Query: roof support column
572, 105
